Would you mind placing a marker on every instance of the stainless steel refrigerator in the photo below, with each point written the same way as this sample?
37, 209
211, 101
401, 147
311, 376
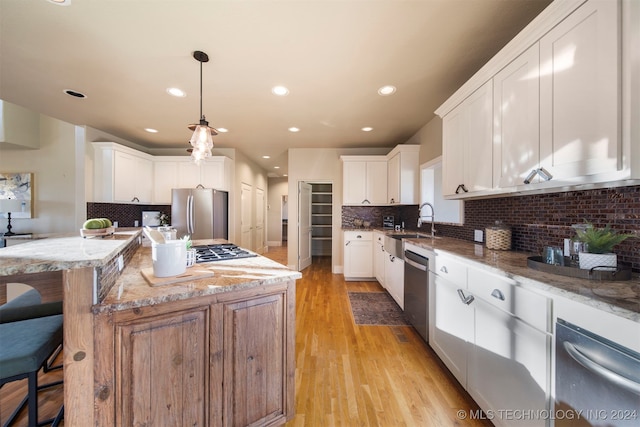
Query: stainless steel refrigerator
200, 212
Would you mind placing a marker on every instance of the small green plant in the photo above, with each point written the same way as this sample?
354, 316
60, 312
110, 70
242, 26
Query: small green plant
600, 240
163, 218
187, 241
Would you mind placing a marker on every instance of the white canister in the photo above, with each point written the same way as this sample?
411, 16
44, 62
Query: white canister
169, 258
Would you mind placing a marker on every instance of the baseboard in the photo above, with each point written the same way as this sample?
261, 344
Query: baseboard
274, 243
338, 269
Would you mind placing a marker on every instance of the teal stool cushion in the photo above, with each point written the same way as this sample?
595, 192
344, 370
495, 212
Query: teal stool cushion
26, 344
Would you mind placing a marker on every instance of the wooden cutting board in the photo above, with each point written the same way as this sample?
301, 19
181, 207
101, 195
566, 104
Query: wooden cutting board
189, 275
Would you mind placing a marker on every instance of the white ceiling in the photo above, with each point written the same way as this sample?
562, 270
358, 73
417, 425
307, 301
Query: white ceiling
332, 55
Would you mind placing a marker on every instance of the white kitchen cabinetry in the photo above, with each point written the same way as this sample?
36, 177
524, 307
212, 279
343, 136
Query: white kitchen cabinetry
394, 278
379, 257
121, 174
180, 172
364, 180
450, 319
517, 121
563, 108
580, 93
358, 255
494, 336
403, 177
509, 362
467, 144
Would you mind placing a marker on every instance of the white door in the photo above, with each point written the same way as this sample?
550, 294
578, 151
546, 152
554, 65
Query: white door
259, 228
245, 216
304, 225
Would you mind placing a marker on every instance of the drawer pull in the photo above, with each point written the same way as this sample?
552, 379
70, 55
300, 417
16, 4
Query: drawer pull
497, 293
467, 299
444, 269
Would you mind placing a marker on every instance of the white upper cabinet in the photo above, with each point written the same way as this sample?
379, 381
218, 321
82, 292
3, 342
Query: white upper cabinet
364, 180
564, 103
403, 178
516, 119
467, 133
121, 174
180, 172
580, 93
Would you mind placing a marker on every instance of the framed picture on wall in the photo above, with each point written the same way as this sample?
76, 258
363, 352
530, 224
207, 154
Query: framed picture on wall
18, 186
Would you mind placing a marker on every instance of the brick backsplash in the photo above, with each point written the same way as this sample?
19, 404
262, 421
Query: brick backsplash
126, 214
535, 220
545, 219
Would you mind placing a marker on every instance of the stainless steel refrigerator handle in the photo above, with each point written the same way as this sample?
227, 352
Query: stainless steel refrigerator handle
600, 370
190, 214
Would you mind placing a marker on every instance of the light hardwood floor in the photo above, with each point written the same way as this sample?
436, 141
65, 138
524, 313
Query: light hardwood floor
346, 375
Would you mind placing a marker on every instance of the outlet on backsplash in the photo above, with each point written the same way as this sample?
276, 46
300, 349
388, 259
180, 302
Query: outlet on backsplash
477, 235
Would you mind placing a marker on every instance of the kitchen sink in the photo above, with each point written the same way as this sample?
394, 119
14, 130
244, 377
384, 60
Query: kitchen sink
393, 242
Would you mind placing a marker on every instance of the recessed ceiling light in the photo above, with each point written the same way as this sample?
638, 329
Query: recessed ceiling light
276, 167
222, 130
367, 129
294, 129
280, 90
174, 91
61, 2
151, 130
266, 157
386, 90
284, 174
75, 93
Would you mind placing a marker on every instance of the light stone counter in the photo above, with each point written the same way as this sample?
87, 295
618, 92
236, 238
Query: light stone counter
132, 290
64, 252
621, 298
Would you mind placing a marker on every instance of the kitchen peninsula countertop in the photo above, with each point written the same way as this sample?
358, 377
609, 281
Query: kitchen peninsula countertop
621, 298
64, 251
132, 290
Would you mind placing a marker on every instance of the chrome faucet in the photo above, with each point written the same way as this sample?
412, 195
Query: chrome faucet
432, 216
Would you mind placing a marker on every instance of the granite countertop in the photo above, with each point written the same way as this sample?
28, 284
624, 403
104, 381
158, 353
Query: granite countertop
64, 252
132, 290
621, 298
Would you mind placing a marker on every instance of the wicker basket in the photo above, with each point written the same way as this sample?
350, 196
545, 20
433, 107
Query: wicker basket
498, 237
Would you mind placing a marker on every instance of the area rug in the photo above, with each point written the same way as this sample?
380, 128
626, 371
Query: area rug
376, 308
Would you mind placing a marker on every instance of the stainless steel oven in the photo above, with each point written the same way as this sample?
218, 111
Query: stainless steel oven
597, 381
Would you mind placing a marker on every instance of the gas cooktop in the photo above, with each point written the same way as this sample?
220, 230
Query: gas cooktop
220, 252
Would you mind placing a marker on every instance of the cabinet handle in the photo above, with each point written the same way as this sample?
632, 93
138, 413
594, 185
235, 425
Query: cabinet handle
135, 199
366, 201
347, 244
461, 187
358, 237
392, 258
497, 293
444, 269
392, 200
467, 299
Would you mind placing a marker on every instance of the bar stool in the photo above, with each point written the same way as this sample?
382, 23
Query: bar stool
30, 337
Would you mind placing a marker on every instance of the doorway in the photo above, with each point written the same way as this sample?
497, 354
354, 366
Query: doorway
315, 213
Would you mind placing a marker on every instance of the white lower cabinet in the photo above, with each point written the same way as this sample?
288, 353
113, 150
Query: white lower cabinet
379, 257
358, 255
394, 278
495, 337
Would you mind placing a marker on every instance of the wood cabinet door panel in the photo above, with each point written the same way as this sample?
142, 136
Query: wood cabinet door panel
163, 369
254, 375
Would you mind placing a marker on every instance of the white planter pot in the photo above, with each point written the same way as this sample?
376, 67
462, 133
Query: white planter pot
589, 261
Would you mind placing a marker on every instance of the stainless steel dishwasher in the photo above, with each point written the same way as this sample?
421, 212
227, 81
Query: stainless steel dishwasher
416, 292
597, 381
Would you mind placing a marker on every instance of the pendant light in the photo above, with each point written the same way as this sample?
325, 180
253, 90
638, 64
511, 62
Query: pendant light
201, 140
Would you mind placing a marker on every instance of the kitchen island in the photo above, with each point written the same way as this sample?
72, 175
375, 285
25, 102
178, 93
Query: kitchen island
213, 351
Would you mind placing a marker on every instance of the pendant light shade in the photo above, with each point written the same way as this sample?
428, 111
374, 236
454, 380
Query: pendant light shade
201, 140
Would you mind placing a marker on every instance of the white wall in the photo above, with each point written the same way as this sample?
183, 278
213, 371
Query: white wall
429, 137
278, 187
57, 179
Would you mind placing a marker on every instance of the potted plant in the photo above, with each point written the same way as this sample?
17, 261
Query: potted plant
599, 243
